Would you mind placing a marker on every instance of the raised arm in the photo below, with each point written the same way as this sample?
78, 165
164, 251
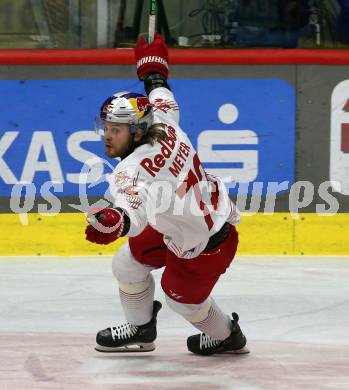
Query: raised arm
152, 69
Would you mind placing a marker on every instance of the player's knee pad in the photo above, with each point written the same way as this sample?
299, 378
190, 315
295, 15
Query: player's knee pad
138, 287
191, 312
127, 269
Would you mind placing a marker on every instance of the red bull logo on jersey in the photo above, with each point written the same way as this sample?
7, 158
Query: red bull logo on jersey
121, 178
165, 105
154, 165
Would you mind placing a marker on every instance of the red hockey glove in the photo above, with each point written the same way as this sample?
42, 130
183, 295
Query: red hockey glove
151, 57
105, 226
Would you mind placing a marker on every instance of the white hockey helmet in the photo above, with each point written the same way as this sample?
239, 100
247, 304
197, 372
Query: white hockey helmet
126, 107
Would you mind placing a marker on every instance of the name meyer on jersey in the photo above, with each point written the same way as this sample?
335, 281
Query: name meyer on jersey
153, 166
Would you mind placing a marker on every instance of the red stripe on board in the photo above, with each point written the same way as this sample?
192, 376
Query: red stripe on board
346, 106
177, 56
345, 138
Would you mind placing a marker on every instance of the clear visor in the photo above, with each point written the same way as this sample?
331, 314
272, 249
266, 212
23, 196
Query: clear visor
99, 126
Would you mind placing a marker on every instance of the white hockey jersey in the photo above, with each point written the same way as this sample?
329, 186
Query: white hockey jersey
166, 187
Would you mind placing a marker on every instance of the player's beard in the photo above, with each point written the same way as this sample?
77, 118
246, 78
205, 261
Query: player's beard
121, 151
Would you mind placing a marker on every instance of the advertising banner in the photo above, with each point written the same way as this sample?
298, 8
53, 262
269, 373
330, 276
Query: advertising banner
244, 131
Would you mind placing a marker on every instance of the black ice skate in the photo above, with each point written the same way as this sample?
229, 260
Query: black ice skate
203, 344
128, 337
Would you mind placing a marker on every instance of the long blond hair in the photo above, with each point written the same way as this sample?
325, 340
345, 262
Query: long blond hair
155, 133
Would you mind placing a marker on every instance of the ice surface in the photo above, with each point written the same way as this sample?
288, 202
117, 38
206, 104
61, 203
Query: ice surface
294, 312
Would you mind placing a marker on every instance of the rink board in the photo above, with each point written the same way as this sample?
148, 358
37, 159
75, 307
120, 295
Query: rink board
305, 106
277, 234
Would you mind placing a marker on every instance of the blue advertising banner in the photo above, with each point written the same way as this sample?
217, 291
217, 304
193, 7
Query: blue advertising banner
244, 131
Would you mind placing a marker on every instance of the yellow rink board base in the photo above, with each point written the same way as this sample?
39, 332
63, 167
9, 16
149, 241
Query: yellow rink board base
259, 234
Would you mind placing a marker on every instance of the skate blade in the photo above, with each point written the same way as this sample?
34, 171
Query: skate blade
139, 347
241, 351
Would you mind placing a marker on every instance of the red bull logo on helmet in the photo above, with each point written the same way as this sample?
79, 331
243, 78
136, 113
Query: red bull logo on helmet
143, 103
140, 105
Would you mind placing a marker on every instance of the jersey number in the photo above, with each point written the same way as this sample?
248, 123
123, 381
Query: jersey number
192, 181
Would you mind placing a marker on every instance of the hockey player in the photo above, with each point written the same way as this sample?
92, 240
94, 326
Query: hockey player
175, 214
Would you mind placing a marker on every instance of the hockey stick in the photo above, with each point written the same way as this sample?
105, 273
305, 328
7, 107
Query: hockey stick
152, 20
